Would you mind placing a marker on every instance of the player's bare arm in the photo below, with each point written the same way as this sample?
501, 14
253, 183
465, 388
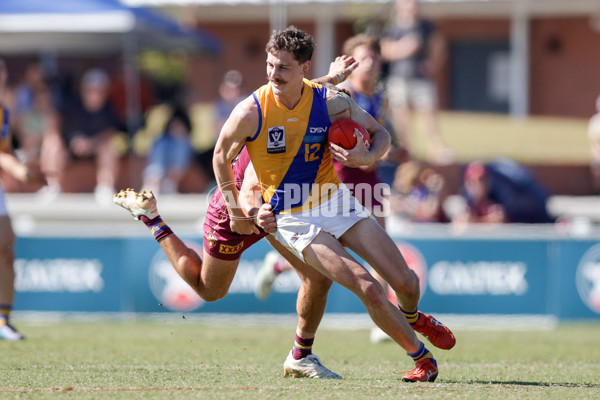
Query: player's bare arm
341, 105
241, 125
251, 201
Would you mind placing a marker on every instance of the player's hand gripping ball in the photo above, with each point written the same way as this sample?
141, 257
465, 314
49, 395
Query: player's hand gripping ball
344, 133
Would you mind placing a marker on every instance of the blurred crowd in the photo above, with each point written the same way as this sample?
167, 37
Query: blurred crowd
56, 129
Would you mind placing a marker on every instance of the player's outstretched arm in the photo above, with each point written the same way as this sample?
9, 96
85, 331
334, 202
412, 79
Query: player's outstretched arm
143, 206
339, 70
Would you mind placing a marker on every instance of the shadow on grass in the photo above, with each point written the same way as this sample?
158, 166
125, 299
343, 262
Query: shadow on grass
533, 384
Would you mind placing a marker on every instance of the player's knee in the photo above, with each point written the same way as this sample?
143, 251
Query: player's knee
407, 283
212, 295
373, 293
320, 285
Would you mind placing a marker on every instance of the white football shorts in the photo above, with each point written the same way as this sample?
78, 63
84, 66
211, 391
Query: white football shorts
338, 214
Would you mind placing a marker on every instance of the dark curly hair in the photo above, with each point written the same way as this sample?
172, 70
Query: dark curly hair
294, 41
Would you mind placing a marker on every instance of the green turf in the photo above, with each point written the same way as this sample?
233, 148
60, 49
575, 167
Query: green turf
537, 140
144, 359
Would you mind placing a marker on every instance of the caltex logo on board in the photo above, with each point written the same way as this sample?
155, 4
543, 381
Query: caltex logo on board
168, 287
587, 278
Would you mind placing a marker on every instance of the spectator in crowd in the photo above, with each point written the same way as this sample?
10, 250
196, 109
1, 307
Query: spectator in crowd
414, 50
594, 136
170, 155
419, 193
25, 91
230, 94
89, 128
40, 142
502, 192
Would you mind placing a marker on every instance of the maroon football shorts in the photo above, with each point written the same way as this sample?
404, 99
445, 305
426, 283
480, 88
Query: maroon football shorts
219, 240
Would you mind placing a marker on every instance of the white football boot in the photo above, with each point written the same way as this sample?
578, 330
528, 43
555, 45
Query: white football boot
307, 367
378, 336
10, 334
137, 204
266, 276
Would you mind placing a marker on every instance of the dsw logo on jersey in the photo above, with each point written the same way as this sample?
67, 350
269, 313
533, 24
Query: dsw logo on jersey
276, 140
168, 287
318, 129
587, 278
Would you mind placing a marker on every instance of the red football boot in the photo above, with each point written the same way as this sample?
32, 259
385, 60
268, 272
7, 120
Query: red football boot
439, 336
426, 370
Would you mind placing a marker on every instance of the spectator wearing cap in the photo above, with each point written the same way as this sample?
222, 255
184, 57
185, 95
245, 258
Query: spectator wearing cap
230, 94
89, 127
502, 191
171, 155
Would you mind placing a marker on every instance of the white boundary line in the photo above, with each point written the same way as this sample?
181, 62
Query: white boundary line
331, 321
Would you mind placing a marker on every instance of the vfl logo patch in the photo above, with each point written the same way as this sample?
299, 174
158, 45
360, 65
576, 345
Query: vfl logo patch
226, 249
276, 140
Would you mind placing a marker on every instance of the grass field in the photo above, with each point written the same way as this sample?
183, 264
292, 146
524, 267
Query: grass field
182, 360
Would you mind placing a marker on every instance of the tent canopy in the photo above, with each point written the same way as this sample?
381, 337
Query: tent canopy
92, 27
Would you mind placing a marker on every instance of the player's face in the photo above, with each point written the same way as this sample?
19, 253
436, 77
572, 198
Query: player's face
370, 63
284, 72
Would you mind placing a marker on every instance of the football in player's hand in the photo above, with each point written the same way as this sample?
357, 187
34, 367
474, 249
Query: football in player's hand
344, 133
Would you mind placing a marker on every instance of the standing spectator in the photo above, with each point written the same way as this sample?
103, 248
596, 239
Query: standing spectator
500, 192
414, 50
170, 155
10, 165
594, 136
90, 126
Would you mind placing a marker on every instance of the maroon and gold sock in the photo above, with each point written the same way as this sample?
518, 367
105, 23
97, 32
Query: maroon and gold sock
157, 226
302, 347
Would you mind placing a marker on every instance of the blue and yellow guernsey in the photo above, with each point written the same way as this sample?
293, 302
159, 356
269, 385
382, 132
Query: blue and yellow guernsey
290, 151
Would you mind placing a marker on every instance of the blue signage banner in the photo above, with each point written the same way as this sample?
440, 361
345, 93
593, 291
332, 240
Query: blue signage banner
54, 274
459, 276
